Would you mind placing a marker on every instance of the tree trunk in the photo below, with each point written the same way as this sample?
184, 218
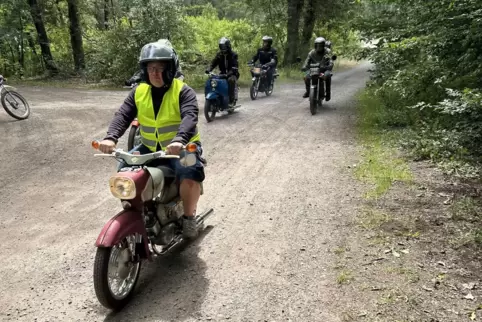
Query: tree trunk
309, 23
106, 14
42, 36
76, 35
22, 50
294, 10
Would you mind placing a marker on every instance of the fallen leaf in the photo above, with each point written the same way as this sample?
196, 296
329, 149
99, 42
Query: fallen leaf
427, 289
394, 253
473, 316
469, 297
441, 263
405, 251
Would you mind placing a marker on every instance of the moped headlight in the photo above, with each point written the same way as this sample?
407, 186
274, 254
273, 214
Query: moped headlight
122, 187
214, 83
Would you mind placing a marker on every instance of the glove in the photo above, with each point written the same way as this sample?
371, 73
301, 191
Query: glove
264, 66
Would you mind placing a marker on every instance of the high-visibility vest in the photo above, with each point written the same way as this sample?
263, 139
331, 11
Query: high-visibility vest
163, 128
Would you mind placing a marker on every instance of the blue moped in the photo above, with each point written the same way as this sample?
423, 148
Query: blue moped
217, 96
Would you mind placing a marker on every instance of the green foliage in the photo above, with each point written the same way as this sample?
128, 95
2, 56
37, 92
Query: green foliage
428, 75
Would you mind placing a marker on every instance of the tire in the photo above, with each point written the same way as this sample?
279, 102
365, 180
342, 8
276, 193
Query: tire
101, 281
253, 92
8, 108
313, 102
209, 111
133, 133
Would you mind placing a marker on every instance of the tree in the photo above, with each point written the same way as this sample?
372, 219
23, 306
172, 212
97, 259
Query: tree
76, 35
42, 36
293, 24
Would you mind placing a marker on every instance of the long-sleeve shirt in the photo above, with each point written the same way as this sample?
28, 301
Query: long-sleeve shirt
128, 112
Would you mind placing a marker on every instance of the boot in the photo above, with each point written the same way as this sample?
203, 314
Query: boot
189, 227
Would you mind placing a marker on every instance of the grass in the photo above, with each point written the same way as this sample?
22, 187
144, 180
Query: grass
371, 218
380, 166
344, 277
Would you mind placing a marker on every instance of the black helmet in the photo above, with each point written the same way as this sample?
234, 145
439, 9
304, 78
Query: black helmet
224, 45
159, 51
328, 44
320, 44
268, 39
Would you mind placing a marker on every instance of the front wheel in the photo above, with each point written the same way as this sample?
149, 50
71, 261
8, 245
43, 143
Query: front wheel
115, 276
209, 110
11, 103
253, 92
313, 101
134, 138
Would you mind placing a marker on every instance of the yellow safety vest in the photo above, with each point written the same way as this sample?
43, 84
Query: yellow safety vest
163, 128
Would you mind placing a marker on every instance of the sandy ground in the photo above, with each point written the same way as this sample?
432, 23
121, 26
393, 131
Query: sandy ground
277, 179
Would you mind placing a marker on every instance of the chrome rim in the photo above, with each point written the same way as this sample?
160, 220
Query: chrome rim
122, 272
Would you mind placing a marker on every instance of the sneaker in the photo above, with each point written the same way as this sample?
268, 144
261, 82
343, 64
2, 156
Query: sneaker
306, 94
189, 227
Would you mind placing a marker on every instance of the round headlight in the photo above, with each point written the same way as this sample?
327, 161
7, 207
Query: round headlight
214, 83
122, 187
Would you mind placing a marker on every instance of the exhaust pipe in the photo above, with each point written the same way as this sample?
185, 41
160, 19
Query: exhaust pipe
200, 218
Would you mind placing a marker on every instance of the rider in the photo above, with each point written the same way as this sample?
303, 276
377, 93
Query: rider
267, 56
138, 76
167, 111
227, 60
319, 55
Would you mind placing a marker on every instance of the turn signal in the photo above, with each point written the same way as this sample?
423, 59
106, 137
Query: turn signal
191, 147
95, 144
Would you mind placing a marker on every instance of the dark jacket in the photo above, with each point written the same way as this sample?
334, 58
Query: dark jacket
227, 63
314, 58
265, 57
128, 112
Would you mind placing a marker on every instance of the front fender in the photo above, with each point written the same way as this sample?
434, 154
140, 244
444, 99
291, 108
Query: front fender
126, 222
8, 87
212, 96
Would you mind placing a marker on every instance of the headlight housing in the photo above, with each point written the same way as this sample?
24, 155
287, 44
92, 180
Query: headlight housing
214, 83
122, 187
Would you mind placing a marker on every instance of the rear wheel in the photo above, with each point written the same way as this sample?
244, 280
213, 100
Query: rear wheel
115, 275
209, 111
313, 101
15, 104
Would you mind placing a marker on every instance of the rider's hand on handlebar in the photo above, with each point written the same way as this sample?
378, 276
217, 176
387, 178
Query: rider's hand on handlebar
107, 146
174, 148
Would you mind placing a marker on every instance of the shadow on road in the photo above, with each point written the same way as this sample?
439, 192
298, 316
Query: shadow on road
171, 288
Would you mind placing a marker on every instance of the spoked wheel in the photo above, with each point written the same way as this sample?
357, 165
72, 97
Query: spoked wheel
115, 274
134, 138
313, 102
209, 111
253, 92
15, 104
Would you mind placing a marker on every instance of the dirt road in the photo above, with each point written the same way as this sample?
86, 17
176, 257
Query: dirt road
276, 179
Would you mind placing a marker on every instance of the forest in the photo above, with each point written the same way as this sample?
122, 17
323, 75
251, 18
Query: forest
427, 55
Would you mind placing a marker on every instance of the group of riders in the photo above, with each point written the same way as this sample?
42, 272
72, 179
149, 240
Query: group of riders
167, 109
227, 61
